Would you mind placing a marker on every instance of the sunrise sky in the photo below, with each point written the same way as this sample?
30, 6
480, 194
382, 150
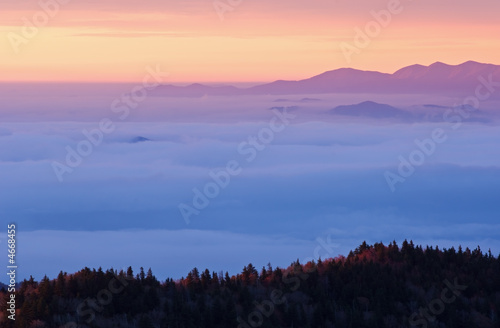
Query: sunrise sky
255, 40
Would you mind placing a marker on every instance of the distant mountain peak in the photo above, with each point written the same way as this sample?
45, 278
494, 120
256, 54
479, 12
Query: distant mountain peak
370, 109
435, 78
369, 103
472, 62
439, 64
409, 71
139, 139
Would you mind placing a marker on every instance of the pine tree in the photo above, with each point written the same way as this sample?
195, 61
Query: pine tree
142, 275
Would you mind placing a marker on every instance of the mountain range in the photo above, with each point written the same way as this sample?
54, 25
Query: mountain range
437, 78
419, 113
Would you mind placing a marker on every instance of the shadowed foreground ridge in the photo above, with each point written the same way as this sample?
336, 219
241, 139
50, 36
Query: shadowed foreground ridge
374, 286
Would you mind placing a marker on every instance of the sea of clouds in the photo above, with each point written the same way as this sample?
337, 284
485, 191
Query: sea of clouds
318, 180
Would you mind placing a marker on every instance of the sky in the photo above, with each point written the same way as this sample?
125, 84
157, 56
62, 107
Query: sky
237, 41
99, 169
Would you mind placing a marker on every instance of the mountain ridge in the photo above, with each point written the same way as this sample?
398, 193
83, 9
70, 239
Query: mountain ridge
371, 109
435, 78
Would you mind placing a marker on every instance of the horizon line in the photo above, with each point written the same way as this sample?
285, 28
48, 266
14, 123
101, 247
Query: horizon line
227, 82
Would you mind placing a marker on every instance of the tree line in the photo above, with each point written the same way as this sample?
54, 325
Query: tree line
374, 286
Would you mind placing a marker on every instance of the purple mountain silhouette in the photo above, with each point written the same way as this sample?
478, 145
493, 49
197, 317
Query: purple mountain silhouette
371, 109
435, 78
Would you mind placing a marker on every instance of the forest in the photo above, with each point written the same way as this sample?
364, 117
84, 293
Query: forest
374, 286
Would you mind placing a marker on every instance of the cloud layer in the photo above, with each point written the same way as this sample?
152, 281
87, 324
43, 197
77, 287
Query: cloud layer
319, 175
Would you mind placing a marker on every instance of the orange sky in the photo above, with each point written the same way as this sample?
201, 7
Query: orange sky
256, 41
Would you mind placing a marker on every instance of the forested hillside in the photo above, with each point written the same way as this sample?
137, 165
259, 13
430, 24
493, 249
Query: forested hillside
374, 286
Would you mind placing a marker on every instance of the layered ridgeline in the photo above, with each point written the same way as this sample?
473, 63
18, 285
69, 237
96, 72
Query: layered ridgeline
438, 78
374, 286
